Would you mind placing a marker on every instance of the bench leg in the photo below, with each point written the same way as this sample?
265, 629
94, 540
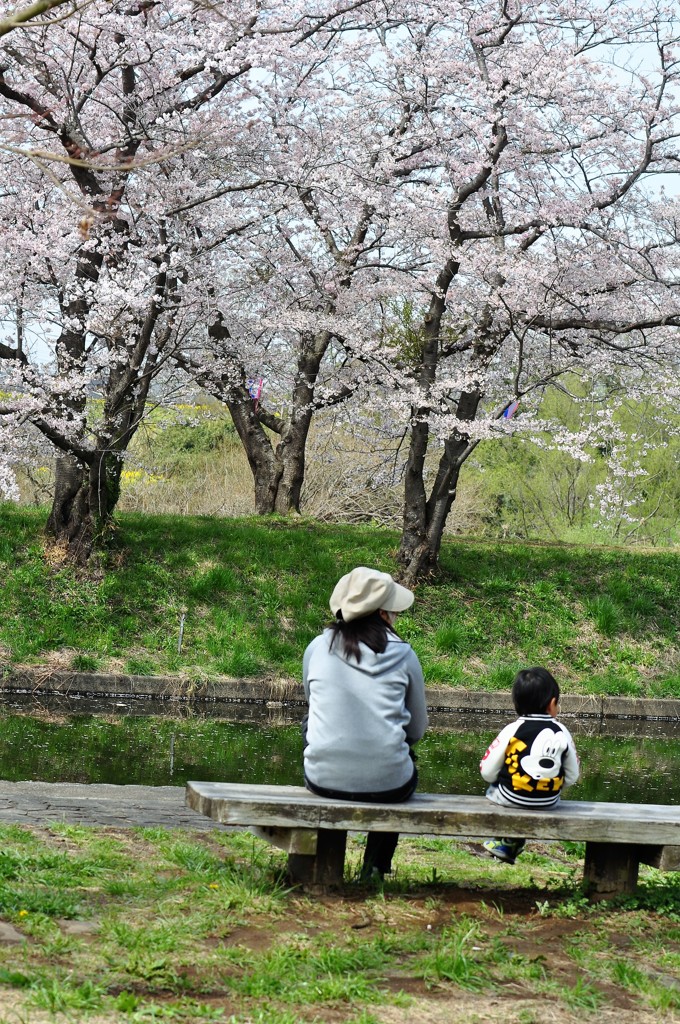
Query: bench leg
669, 859
611, 869
323, 870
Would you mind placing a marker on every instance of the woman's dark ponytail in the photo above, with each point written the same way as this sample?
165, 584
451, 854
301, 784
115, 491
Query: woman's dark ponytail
371, 630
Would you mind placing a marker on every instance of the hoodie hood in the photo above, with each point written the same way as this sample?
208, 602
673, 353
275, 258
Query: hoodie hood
373, 664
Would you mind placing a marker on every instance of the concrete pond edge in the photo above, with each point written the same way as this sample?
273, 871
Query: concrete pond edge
272, 691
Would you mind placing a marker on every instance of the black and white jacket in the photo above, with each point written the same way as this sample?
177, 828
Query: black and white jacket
530, 762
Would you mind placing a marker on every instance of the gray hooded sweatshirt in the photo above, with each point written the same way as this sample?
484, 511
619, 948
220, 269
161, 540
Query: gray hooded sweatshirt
362, 717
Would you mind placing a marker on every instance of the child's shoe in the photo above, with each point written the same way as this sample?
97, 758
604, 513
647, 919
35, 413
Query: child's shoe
504, 849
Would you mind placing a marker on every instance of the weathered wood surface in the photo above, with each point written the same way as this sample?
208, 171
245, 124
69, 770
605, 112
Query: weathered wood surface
611, 869
290, 840
435, 814
325, 869
669, 859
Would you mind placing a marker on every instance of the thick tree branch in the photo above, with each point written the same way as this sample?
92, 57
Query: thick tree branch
26, 15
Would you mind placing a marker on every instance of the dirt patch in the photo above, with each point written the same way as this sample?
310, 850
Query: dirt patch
469, 1008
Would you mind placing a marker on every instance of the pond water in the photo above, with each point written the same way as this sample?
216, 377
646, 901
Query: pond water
159, 750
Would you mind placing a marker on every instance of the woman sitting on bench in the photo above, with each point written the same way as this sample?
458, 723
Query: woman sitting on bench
366, 695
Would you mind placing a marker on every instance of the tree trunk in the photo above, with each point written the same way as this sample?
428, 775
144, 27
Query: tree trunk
85, 497
68, 503
424, 526
290, 457
415, 552
278, 469
259, 451
421, 542
425, 519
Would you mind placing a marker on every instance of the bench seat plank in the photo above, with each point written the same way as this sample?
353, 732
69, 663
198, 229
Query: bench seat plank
436, 814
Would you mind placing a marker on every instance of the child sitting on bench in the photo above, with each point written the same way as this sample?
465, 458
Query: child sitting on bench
531, 760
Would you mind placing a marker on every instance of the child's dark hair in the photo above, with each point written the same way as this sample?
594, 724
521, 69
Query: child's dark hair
371, 630
532, 691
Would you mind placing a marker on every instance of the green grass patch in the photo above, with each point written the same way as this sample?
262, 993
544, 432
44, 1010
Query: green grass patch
200, 597
449, 930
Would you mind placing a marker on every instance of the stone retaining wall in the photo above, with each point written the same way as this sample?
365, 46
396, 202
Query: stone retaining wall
440, 698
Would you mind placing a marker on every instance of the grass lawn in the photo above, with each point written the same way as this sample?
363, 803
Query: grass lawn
247, 596
105, 926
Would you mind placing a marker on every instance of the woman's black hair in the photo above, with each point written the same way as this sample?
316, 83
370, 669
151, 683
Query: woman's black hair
532, 691
371, 630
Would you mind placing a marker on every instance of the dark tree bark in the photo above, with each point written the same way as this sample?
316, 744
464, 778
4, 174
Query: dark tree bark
425, 517
419, 545
275, 446
278, 463
84, 499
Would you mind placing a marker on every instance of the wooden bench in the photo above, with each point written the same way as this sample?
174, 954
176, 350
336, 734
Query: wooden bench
313, 830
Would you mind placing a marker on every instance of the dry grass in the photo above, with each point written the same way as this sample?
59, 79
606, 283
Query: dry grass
338, 488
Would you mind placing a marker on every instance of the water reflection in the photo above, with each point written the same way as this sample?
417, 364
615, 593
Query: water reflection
289, 713
131, 746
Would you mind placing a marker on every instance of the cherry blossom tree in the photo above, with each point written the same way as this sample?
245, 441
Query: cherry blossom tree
543, 135
113, 121
263, 191
495, 169
292, 331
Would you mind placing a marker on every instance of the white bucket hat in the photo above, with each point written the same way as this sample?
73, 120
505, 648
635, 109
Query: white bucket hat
363, 591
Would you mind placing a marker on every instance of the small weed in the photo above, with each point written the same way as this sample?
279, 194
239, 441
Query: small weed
214, 583
157, 972
582, 996
663, 998
152, 938
499, 677
183, 1012
63, 997
605, 613
14, 979
300, 974
452, 959
194, 859
85, 663
583, 948
628, 975
118, 887
657, 891
574, 849
573, 906
37, 899
451, 638
76, 833
140, 666
126, 1002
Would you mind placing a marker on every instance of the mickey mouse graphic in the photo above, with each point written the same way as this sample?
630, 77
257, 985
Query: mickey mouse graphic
544, 760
